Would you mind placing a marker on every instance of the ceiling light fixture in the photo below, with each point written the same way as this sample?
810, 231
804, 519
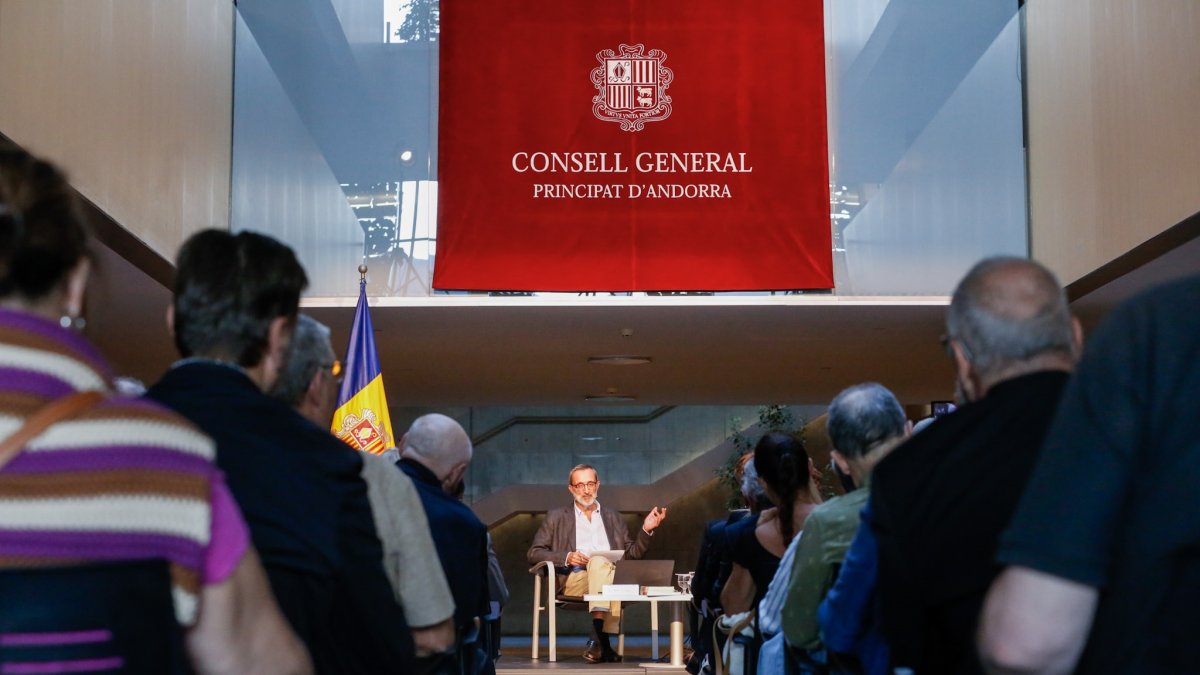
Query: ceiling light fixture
609, 398
619, 360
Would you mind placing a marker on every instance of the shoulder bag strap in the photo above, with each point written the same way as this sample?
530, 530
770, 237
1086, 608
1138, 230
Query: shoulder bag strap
58, 409
717, 655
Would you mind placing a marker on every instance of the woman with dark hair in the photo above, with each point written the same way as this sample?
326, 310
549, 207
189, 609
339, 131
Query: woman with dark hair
787, 475
120, 546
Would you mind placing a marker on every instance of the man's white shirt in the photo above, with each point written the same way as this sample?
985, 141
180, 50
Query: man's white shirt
590, 535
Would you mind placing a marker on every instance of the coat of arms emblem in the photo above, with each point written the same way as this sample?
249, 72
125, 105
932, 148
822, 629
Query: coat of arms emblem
631, 86
364, 432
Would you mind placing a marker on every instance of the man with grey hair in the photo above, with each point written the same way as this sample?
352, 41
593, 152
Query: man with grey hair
754, 493
435, 454
865, 423
309, 383
571, 534
939, 503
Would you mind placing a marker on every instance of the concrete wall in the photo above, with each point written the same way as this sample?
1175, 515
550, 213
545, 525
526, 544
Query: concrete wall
1113, 94
626, 454
133, 98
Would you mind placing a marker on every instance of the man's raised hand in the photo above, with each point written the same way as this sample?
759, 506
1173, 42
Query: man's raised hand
654, 519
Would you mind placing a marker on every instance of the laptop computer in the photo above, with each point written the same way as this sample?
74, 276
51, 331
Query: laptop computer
645, 572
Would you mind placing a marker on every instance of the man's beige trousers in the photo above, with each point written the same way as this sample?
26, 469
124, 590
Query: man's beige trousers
600, 571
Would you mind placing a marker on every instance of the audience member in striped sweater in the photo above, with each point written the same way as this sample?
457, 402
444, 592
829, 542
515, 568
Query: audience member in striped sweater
123, 479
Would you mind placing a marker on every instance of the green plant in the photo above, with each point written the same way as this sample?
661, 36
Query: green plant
770, 418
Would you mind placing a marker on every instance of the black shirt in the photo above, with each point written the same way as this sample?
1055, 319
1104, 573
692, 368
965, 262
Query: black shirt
306, 505
746, 551
1115, 500
939, 503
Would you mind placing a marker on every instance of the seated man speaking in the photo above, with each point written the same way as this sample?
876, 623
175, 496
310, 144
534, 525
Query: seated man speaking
569, 533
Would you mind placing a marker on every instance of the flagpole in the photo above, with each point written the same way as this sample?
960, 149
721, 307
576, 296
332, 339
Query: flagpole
361, 418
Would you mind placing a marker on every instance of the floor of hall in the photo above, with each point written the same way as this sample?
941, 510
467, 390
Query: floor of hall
515, 657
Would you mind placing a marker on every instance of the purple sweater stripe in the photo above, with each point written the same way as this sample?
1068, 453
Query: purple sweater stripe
112, 545
33, 382
75, 666
115, 457
73, 637
139, 403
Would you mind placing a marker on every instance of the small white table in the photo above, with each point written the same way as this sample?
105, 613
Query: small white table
676, 601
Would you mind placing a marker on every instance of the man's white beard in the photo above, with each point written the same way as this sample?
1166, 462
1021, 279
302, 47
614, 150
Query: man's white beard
586, 502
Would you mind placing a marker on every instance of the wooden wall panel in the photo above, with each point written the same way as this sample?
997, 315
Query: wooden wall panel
1113, 100
133, 98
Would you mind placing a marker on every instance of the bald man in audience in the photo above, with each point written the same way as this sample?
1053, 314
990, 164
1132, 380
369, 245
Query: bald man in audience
940, 501
309, 384
435, 453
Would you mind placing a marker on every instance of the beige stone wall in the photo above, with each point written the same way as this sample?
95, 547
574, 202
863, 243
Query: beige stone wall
133, 98
1114, 118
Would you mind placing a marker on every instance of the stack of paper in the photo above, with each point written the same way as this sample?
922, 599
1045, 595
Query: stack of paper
658, 590
619, 589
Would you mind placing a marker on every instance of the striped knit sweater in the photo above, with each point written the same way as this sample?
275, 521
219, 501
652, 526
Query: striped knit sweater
124, 480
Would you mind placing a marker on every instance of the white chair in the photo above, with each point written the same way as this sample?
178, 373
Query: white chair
555, 600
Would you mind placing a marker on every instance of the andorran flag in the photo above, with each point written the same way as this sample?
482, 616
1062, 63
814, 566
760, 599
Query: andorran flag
362, 419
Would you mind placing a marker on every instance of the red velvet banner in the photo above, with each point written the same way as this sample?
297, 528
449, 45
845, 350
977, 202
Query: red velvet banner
652, 145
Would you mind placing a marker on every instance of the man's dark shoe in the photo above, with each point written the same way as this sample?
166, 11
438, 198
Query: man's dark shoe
611, 657
593, 653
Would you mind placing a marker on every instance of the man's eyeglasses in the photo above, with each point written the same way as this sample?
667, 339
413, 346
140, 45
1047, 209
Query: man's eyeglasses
334, 369
591, 485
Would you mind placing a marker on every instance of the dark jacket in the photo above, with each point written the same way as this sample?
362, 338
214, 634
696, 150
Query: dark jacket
300, 491
556, 538
461, 541
715, 563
